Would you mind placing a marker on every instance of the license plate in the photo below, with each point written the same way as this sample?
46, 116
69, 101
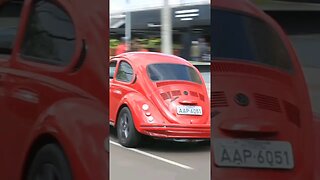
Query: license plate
189, 110
253, 154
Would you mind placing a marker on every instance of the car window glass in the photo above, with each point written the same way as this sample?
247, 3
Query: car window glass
167, 71
50, 35
240, 37
9, 21
112, 69
125, 72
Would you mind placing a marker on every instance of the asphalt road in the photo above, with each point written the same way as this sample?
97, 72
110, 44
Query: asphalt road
160, 160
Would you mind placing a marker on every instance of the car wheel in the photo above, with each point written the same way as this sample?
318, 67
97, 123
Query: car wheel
127, 134
49, 163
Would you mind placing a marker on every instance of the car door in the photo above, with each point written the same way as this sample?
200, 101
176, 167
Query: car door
9, 22
29, 90
120, 86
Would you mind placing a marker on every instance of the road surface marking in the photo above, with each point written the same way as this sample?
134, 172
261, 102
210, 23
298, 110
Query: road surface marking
154, 156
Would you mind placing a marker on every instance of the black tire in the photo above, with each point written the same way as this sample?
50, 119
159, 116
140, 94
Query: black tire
128, 136
49, 163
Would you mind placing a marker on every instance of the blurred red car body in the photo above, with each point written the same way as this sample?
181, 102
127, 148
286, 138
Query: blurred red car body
157, 95
53, 100
261, 112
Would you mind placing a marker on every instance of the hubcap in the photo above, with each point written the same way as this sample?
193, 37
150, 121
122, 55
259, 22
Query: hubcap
124, 125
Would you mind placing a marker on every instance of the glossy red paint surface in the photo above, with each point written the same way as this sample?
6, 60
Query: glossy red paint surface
280, 108
317, 146
162, 97
42, 104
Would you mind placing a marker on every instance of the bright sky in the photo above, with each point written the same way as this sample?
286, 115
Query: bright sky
120, 5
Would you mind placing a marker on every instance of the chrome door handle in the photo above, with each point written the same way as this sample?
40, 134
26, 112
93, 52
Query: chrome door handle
26, 95
117, 91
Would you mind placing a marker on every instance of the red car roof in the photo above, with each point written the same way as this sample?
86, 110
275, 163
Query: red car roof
146, 58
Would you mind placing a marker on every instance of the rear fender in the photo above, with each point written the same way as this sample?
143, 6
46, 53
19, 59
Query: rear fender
80, 127
134, 101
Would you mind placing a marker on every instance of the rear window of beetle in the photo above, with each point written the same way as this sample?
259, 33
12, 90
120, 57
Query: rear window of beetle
236, 36
172, 72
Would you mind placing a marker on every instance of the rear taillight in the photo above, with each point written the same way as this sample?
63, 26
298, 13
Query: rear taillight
145, 107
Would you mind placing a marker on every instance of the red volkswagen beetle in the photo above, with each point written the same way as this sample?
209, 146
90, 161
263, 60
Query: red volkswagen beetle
53, 90
157, 95
262, 118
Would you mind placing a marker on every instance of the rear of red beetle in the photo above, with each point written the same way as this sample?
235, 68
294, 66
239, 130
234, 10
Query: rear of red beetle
157, 95
261, 112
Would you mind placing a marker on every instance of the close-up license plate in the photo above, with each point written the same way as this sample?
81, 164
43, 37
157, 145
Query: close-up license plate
189, 110
253, 154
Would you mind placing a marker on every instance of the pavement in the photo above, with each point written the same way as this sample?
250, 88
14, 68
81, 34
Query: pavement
159, 160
